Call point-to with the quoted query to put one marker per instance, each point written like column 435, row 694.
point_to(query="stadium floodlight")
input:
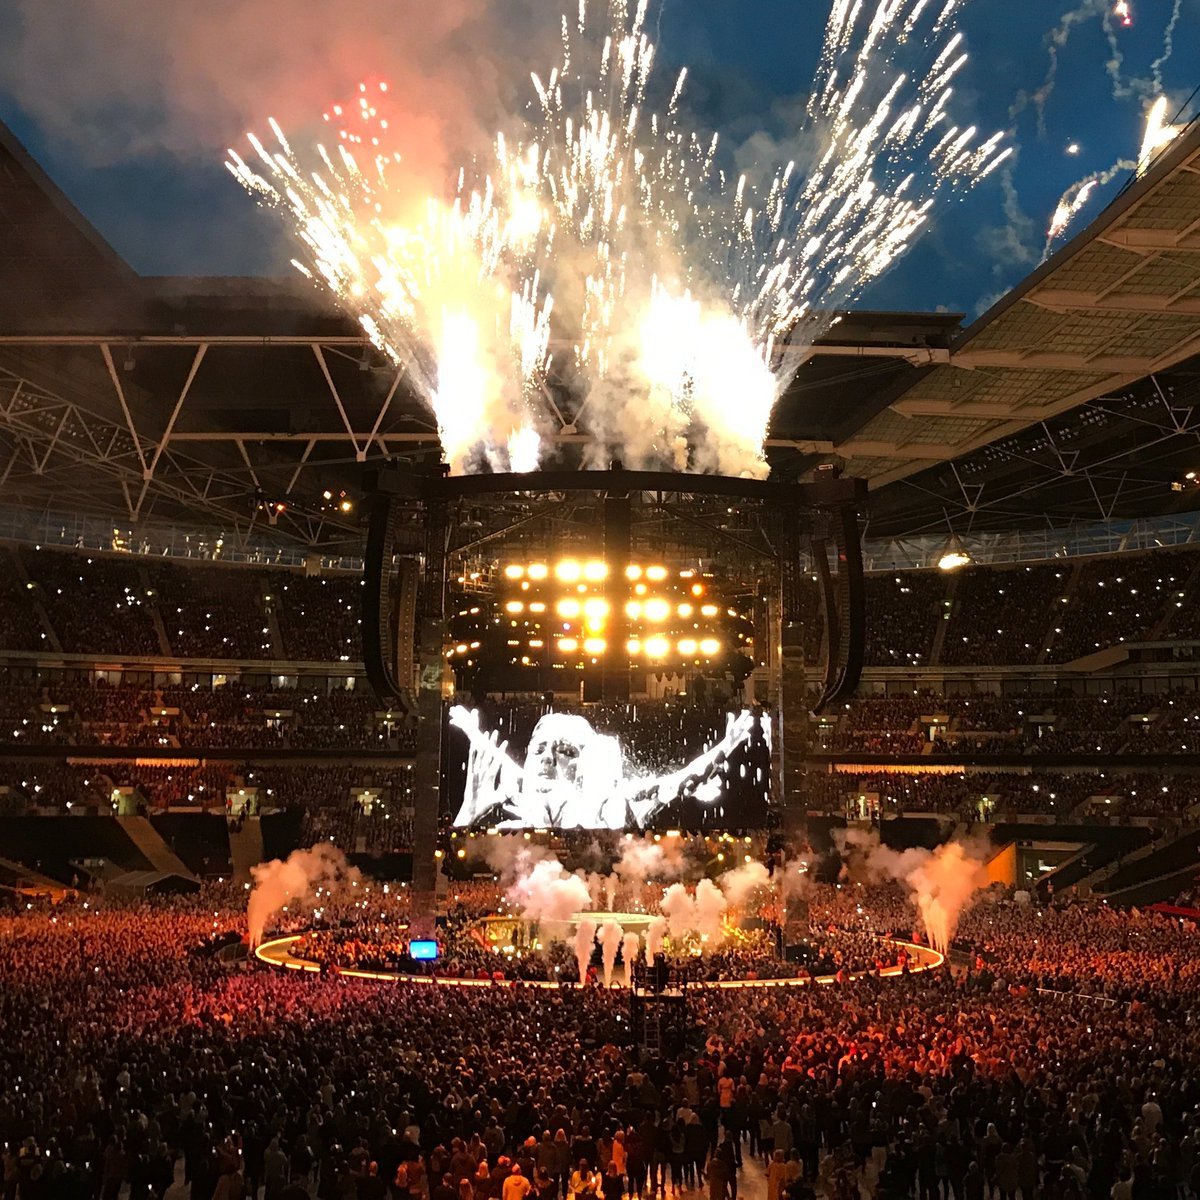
column 595, row 571
column 513, row 571
column 954, row 555
column 710, row 647
column 538, row 571
column 568, row 571
column 656, row 574
column 687, row 647
column 567, row 608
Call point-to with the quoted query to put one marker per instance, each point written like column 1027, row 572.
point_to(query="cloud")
column 120, row 79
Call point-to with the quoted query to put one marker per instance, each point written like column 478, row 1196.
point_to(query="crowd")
column 82, row 711
column 117, row 604
column 980, row 795
column 1123, row 723
column 1063, row 1063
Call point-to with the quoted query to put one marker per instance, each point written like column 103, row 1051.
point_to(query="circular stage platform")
column 278, row 953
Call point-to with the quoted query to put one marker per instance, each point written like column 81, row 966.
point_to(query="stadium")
column 381, row 817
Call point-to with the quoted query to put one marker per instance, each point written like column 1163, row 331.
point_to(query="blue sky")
column 172, row 209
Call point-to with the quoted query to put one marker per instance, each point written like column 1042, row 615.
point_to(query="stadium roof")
column 189, row 398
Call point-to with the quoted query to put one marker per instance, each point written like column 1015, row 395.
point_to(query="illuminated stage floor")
column 278, row 953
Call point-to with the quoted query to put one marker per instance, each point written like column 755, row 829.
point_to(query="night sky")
column 174, row 210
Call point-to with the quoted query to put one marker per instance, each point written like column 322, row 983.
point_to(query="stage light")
column 514, row 606
column 634, row 646
column 697, row 589
column 535, row 643
column 568, row 571
column 708, row 610
column 684, row 610
column 568, row 645
column 513, row 571
column 658, row 646
column 633, row 609
column 595, row 609
column 709, row 647
column 657, row 610
column 537, row 607
column 567, row 608
column 687, row 647
column 537, row 570
column 633, row 572
column 461, row 648
column 346, row 505
column 656, row 574
column 595, row 571
column 594, row 646
column 639, row 589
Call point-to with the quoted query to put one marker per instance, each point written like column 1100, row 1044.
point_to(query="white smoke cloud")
column 278, row 882
column 644, row 859
column 135, row 77
column 740, row 884
column 549, row 894
column 511, row 856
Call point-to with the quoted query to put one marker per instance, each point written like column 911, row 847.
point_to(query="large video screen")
column 608, row 767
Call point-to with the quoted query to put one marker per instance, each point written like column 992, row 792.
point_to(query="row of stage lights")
column 595, row 571
column 657, row 647
column 595, row 610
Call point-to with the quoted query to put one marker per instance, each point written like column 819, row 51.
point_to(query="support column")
column 431, row 624
column 618, row 541
column 793, row 731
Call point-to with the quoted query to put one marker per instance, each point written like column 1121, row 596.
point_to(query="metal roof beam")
column 977, row 410
column 1150, row 240
column 1064, row 300
column 1042, row 360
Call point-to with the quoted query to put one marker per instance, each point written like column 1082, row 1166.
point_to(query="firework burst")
column 688, row 295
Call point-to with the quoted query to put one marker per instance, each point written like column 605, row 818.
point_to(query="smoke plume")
column 610, row 943
column 277, row 883
column 629, row 952
column 585, row 939
column 701, row 913
column 654, row 938
column 940, row 882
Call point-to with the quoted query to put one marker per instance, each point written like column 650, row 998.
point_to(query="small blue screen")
column 423, row 949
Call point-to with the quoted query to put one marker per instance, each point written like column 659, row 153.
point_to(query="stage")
column 277, row 953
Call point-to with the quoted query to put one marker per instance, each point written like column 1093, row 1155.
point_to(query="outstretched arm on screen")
column 645, row 803
column 492, row 776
